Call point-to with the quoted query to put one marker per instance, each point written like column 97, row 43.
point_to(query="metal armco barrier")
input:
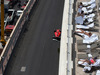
column 5, row 55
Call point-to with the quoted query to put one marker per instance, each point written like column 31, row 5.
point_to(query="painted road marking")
column 23, row 69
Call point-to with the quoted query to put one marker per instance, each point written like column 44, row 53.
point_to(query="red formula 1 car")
column 57, row 35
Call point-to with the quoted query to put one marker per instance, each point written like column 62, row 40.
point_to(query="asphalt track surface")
column 35, row 49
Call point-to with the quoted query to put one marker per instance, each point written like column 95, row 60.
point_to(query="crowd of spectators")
column 85, row 21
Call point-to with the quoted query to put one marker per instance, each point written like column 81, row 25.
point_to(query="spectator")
column 83, row 62
column 89, row 63
column 84, row 32
column 19, row 1
column 80, row 5
column 19, row 5
column 26, row 1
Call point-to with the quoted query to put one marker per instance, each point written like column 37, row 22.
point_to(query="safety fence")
column 6, row 53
